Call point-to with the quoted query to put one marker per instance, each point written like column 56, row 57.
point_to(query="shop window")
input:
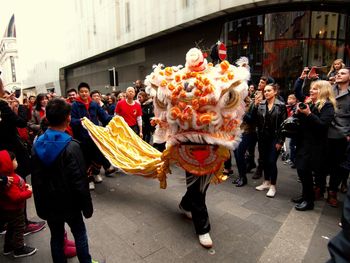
column 287, row 25
column 323, row 22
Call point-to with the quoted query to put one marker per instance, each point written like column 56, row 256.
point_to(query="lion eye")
column 233, row 98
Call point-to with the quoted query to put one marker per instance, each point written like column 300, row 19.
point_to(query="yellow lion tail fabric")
column 124, row 148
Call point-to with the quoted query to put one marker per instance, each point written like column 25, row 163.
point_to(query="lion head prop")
column 198, row 110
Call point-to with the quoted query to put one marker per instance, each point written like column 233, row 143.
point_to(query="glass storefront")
column 281, row 44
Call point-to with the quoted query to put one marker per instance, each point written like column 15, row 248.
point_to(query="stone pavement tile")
column 120, row 223
column 231, row 221
column 233, row 208
column 163, row 255
column 260, row 205
column 326, row 229
column 217, row 227
column 108, row 244
column 282, row 252
column 293, row 238
column 317, row 251
column 264, row 222
column 180, row 243
column 143, row 241
column 231, row 247
column 163, row 221
column 263, row 237
column 214, row 197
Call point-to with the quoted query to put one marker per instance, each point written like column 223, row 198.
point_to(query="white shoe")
column 98, row 178
column 205, row 240
column 264, row 186
column 188, row 214
column 91, row 186
column 272, row 191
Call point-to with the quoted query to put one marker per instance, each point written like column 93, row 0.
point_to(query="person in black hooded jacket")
column 269, row 114
column 60, row 185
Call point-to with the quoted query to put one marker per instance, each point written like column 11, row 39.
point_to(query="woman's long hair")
column 38, row 100
column 325, row 93
column 339, row 60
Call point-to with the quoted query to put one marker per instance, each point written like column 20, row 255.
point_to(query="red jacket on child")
column 12, row 197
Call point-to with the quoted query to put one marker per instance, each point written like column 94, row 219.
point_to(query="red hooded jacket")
column 12, row 197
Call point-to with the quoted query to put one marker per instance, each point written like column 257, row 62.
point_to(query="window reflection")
column 281, row 44
column 324, row 25
column 244, row 37
column 287, row 25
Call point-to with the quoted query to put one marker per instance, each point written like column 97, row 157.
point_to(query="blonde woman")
column 336, row 65
column 315, row 115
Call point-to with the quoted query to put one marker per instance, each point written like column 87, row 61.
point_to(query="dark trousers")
column 228, row 163
column 78, row 230
column 15, row 228
column 307, row 184
column 251, row 147
column 135, row 128
column 194, row 201
column 292, row 149
column 93, row 157
column 339, row 246
column 336, row 157
column 159, row 146
column 247, row 140
column 147, row 133
column 269, row 156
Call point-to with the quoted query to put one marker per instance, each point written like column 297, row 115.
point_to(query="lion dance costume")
column 198, row 110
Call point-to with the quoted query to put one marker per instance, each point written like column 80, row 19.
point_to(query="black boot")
column 242, row 182
column 298, row 199
column 250, row 165
column 258, row 173
column 305, row 205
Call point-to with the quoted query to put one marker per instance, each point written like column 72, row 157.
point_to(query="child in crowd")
column 290, row 142
column 12, row 202
column 61, row 192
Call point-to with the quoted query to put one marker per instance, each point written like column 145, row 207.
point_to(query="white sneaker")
column 188, row 214
column 272, row 191
column 91, row 186
column 98, row 178
column 205, row 240
column 264, row 186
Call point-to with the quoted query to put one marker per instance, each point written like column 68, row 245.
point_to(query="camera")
column 302, row 106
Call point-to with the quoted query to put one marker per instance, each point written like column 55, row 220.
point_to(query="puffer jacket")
column 12, row 197
column 340, row 126
column 93, row 112
column 60, row 184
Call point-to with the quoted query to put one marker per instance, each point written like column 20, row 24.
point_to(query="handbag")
column 290, row 126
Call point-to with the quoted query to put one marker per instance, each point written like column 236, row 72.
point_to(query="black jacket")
column 147, row 114
column 278, row 114
column 311, row 140
column 340, row 127
column 9, row 138
column 339, row 246
column 61, row 189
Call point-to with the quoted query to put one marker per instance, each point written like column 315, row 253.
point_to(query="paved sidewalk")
column 136, row 221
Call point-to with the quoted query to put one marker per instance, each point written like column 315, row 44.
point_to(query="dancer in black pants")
column 194, row 207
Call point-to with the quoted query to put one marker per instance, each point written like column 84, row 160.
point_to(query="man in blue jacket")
column 85, row 107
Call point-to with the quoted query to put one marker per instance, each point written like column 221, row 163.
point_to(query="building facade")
column 9, row 58
column 278, row 37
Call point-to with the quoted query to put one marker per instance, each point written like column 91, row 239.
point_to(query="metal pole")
column 113, row 78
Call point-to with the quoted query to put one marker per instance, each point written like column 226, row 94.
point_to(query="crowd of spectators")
column 319, row 148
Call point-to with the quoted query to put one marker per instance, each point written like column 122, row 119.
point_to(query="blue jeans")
column 292, row 149
column 78, row 230
column 247, row 140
